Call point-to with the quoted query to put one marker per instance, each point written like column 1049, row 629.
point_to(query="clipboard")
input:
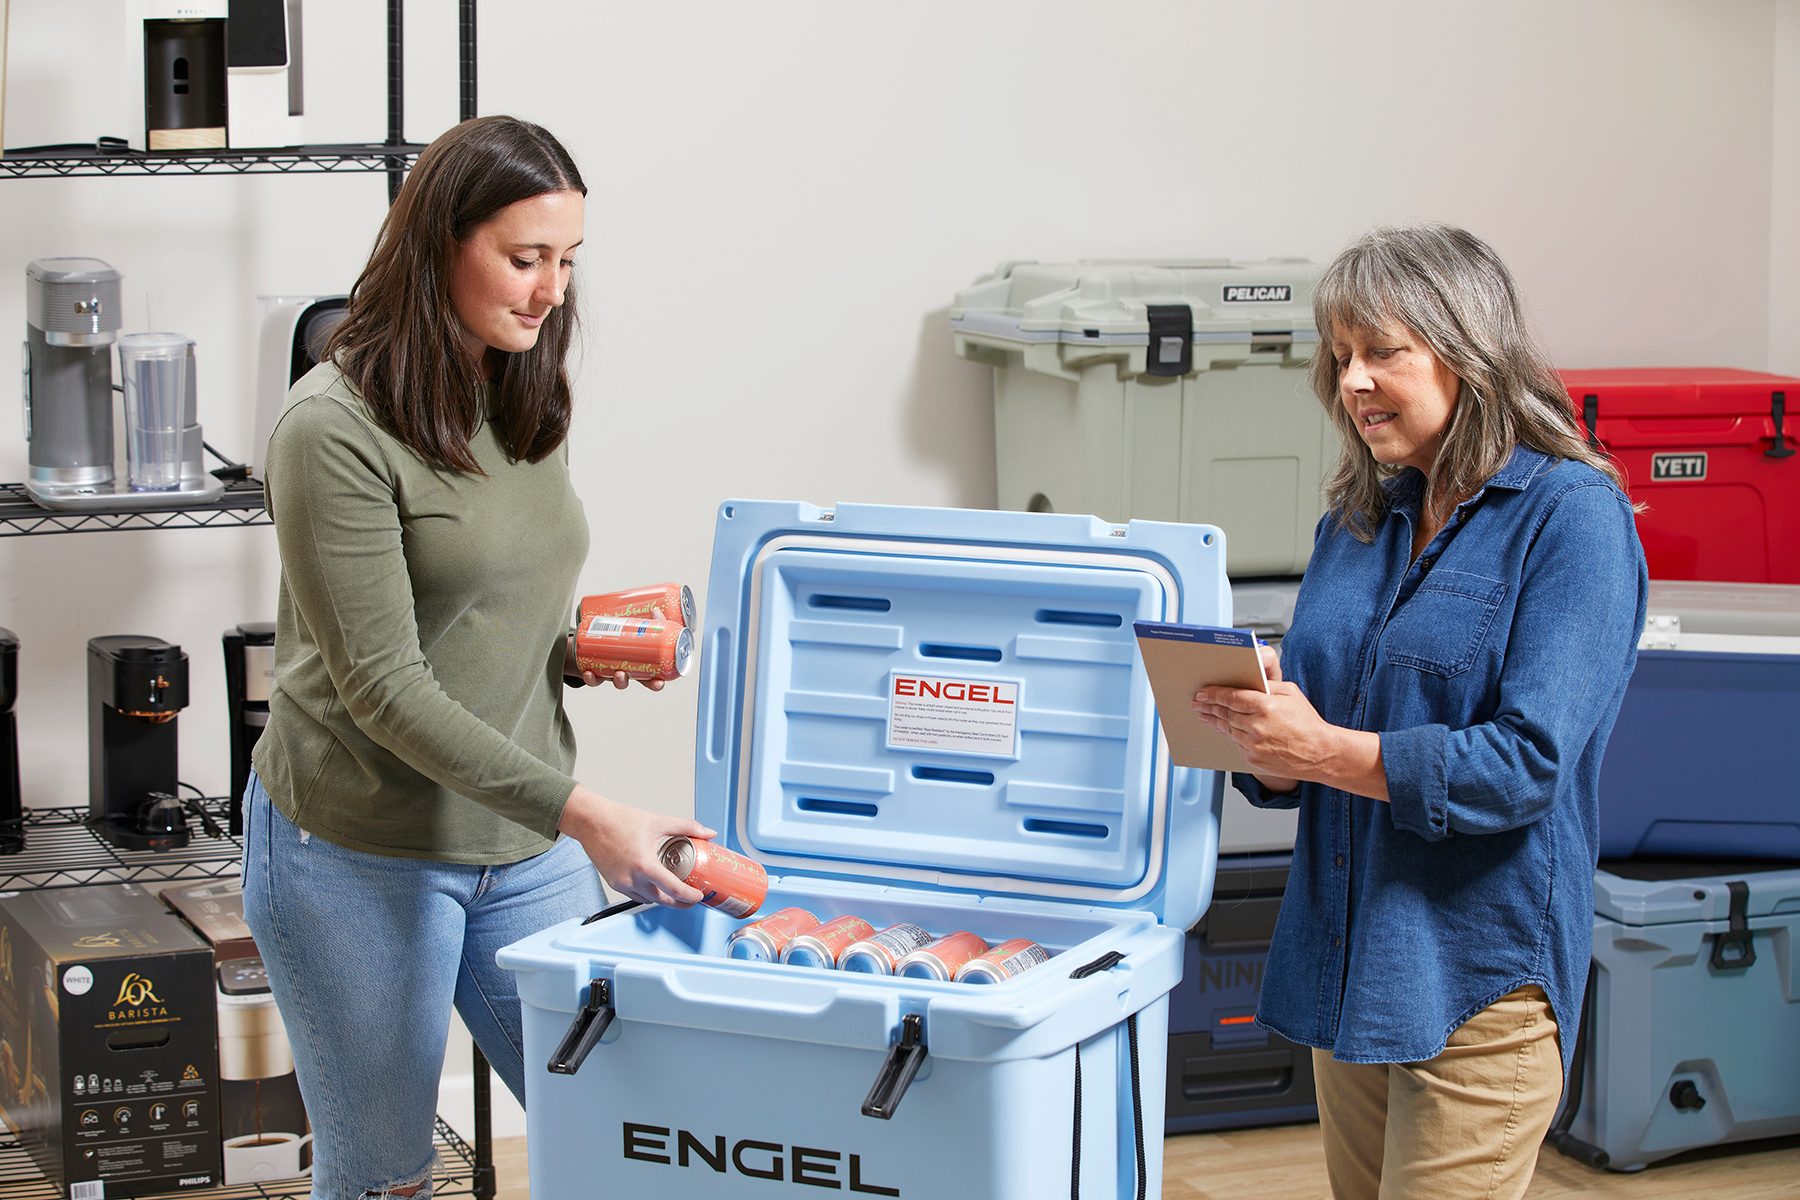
column 1182, row 659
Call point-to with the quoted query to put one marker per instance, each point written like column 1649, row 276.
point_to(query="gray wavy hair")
column 1450, row 289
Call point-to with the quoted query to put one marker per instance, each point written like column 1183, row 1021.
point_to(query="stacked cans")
column 645, row 632
column 797, row 937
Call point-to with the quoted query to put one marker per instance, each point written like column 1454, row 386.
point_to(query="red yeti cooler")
column 1712, row 452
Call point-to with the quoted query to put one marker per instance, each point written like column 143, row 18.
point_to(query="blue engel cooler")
column 1052, row 814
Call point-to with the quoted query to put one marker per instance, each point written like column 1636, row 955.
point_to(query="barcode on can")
column 88, row 1191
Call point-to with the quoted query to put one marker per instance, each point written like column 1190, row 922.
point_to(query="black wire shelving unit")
column 21, row 516
column 61, row 849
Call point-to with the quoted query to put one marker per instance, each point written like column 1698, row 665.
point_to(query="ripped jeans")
column 366, row 955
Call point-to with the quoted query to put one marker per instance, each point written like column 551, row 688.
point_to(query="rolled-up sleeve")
column 1573, row 638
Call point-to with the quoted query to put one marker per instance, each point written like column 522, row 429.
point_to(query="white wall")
column 1784, row 201
column 786, row 196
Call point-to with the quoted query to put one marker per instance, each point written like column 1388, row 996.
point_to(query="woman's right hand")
column 624, row 843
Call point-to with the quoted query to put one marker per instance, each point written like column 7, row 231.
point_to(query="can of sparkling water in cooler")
column 821, row 947
column 882, row 952
column 764, row 940
column 941, row 958
column 642, row 649
column 1012, row 957
column 728, row 881
column 673, row 600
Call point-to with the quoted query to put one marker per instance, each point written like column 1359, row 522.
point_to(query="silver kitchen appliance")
column 72, row 321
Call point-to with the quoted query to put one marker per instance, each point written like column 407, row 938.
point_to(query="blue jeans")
column 366, row 955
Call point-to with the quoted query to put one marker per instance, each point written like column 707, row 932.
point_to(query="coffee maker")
column 12, row 823
column 249, row 678
column 136, row 688
column 72, row 322
column 72, row 312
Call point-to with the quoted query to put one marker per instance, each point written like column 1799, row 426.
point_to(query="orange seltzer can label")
column 659, row 601
column 941, row 958
column 641, row 649
column 728, row 881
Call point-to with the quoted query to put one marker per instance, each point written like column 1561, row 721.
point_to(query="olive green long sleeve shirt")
column 417, row 707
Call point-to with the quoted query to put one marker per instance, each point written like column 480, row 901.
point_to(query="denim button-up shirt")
column 1493, row 667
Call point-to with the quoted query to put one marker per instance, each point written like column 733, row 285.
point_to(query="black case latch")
column 586, row 1031
column 1171, row 348
column 1732, row 950
column 1778, row 414
column 903, row 1061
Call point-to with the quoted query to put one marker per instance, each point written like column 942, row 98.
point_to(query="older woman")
column 1458, row 654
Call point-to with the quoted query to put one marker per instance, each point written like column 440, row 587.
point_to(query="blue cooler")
column 1691, row 1032
column 838, row 745
column 1700, row 762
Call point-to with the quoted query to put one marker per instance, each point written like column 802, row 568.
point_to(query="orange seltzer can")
column 731, row 883
column 941, row 959
column 672, row 600
column 1010, row 958
column 764, row 940
column 822, row 947
column 880, row 953
column 642, row 649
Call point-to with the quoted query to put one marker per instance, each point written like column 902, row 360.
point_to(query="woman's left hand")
column 1281, row 734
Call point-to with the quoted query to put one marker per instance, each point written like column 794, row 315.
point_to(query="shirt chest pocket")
column 1441, row 628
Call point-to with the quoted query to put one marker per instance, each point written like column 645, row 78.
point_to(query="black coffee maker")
column 12, row 824
column 136, row 687
column 249, row 678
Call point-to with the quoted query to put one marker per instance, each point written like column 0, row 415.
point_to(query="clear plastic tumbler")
column 154, row 368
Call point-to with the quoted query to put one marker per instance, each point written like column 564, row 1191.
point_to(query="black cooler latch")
column 1171, row 348
column 1590, row 416
column 1778, row 413
column 1732, row 950
column 586, row 1031
column 904, row 1059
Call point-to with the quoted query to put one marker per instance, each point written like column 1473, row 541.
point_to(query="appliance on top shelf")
column 72, row 322
column 137, row 686
column 294, row 332
column 262, row 74
column 181, row 66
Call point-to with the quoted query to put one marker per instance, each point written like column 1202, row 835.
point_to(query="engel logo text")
column 755, row 1160
column 962, row 690
column 1678, row 466
column 1258, row 293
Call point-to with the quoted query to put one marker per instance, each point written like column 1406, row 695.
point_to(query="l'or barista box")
column 107, row 1031
column 262, row 1120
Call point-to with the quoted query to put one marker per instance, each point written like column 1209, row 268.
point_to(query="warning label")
column 969, row 716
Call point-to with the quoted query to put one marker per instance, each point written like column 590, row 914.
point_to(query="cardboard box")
column 263, row 1128
column 108, row 1026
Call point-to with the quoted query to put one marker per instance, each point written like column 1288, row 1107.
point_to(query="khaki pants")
column 1462, row 1126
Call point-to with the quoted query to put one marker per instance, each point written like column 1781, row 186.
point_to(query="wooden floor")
column 1286, row 1163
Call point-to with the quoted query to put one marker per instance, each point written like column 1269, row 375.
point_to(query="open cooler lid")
column 951, row 699
column 1264, row 303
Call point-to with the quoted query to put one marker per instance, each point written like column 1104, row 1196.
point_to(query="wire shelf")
column 293, row 160
column 21, row 516
column 63, row 850
column 456, row 1174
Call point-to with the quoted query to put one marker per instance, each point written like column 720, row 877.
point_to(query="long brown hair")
column 401, row 343
column 1450, row 289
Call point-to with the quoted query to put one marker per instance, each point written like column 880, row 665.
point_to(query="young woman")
column 1460, row 648
column 402, row 822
